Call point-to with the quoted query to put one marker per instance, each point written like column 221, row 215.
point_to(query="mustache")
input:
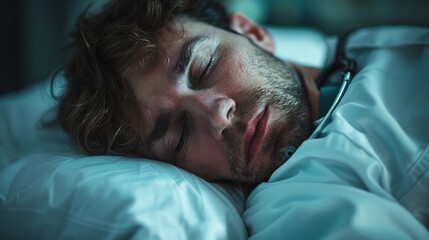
column 248, row 102
column 282, row 94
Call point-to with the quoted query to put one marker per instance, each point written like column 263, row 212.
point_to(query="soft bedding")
column 48, row 190
column 367, row 176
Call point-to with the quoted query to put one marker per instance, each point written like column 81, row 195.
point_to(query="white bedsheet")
column 367, row 177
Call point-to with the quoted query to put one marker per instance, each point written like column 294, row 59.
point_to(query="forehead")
column 160, row 65
column 170, row 42
column 177, row 33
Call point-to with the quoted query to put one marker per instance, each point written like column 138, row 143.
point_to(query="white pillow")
column 54, row 196
column 305, row 46
column 50, row 191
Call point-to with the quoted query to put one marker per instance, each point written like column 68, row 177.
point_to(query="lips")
column 255, row 133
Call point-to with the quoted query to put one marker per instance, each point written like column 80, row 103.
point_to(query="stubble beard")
column 281, row 88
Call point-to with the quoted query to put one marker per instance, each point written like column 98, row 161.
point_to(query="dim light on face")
column 221, row 106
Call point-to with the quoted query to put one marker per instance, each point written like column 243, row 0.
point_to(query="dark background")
column 33, row 32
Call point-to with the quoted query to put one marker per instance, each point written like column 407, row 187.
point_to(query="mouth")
column 255, row 133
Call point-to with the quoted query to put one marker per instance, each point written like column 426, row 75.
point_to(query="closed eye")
column 207, row 69
column 183, row 136
column 197, row 76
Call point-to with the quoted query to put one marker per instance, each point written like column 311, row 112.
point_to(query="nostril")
column 229, row 114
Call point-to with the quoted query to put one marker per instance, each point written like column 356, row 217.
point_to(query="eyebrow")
column 186, row 55
column 161, row 126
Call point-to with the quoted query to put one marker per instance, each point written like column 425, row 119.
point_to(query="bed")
column 48, row 190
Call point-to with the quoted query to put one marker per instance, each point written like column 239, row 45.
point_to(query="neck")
column 309, row 75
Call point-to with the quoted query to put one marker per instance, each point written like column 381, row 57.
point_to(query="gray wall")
column 33, row 33
column 333, row 16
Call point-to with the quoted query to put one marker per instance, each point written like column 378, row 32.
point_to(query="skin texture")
column 234, row 107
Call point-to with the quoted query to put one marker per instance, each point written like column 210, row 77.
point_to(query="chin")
column 267, row 166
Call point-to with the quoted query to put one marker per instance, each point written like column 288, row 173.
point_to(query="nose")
column 216, row 111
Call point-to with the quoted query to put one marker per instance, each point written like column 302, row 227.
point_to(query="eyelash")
column 184, row 135
column 209, row 66
column 205, row 72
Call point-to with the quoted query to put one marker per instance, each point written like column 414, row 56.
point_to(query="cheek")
column 207, row 159
column 236, row 75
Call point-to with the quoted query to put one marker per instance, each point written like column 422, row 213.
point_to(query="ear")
column 256, row 33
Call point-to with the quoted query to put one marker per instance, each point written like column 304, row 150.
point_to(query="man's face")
column 219, row 106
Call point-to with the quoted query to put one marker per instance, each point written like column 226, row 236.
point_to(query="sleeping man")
column 182, row 82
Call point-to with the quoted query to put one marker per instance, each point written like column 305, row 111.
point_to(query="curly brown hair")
column 98, row 108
